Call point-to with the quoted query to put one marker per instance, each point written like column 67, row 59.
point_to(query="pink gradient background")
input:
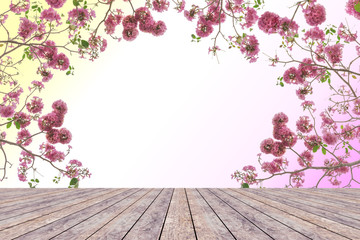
column 160, row 112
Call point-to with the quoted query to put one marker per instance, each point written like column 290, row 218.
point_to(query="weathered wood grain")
column 207, row 224
column 244, row 223
column 149, row 226
column 336, row 206
column 118, row 227
column 323, row 222
column 292, row 221
column 259, row 220
column 178, row 224
column 57, row 227
column 20, row 225
column 308, row 206
column 167, row 214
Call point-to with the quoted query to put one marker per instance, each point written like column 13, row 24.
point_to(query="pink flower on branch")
column 56, row 3
column 269, row 22
column 26, row 28
column 315, row 14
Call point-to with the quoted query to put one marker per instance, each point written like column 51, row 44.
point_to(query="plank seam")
column 142, row 214
column 162, row 227
column 192, row 220
column 294, row 215
column 217, row 214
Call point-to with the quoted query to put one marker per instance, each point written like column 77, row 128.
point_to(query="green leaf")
column 30, row 184
column 84, row 43
column 346, row 150
column 37, row 180
column 8, row 125
column 323, row 151
column 193, row 36
column 17, row 125
column 357, row 7
column 315, row 148
column 76, row 3
column 350, row 147
column 245, row 185
column 281, row 84
column 74, row 181
column 68, row 73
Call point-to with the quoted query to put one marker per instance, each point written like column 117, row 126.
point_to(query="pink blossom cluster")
column 50, row 15
column 314, row 34
column 298, row 179
column 26, row 159
column 350, row 8
column 248, row 175
column 248, row 45
column 56, row 3
column 251, row 17
column 80, row 17
column 306, row 159
column 26, row 28
column 334, row 53
column 275, row 166
column 336, row 172
column 19, row 6
column 160, row 5
column 303, row 124
column 73, row 170
column 315, row 14
column 345, row 33
column 192, row 13
column 113, row 20
column 96, row 45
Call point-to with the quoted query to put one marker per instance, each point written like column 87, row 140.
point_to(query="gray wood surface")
column 179, row 214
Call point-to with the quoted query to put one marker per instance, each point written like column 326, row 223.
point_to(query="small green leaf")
column 245, row 185
column 37, row 180
column 74, row 181
column 357, row 7
column 68, row 73
column 76, row 3
column 323, row 151
column 315, row 148
column 346, row 150
column 342, row 126
column 193, row 36
column 84, row 43
column 30, row 184
column 17, row 124
column 8, row 125
column 350, row 147
column 281, row 84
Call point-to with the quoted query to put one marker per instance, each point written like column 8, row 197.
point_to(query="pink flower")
column 180, row 6
column 204, row 29
column 75, row 162
column 129, row 22
column 65, row 136
column 351, row 10
column 59, row 119
column 159, row 28
column 315, row 34
column 40, row 33
column 348, row 132
column 60, row 107
column 250, row 17
column 160, row 5
column 312, row 141
column 308, row 105
column 278, row 149
column 112, row 21
column 326, row 120
column 147, row 25
column 287, row 27
column 56, row 3
column 79, row 16
column 19, row 6
column 52, row 154
column 46, row 122
column 302, row 92
column 23, row 119
column 22, row 135
column 50, row 15
column 266, row 145
column 345, row 33
column 7, row 111
column 49, row 51
column 250, row 47
column 305, row 159
column 142, row 14
column 329, row 138
column 315, row 15
column 297, row 178
column 35, row 106
column 293, row 76
column 60, row 62
column 275, row 166
column 307, row 69
column 26, row 28
column 356, row 109
column 191, row 14
column 280, row 119
column 130, row 34
column 269, row 22
column 53, row 136
column 334, row 53
column 303, row 124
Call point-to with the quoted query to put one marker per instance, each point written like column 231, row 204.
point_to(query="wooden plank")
column 308, row 206
column 325, row 223
column 28, row 195
column 178, row 224
column 335, row 197
column 308, row 229
column 244, row 222
column 86, row 228
column 336, row 206
column 346, row 192
column 11, row 193
column 57, row 227
column 207, row 224
column 238, row 211
column 150, row 225
column 44, row 202
column 121, row 224
column 47, row 215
